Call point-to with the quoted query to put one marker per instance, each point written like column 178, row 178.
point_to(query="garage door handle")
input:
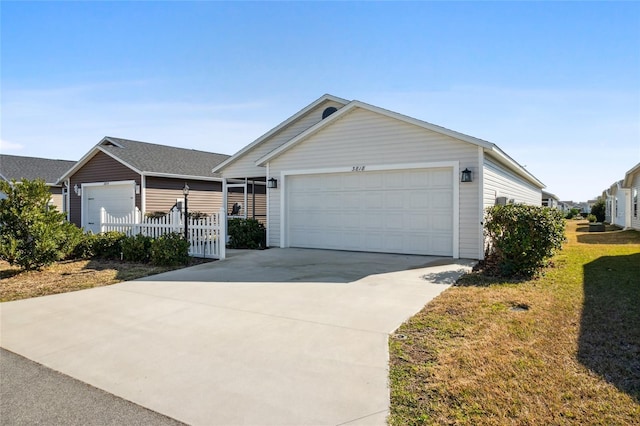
column 91, row 223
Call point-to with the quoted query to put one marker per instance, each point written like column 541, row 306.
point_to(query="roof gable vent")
column 328, row 111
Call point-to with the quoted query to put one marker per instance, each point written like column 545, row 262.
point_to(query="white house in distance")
column 347, row 175
column 621, row 200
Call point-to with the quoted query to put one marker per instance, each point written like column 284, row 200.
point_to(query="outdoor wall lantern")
column 272, row 183
column 466, row 176
column 77, row 189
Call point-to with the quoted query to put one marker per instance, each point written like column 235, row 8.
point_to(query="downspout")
column 481, row 202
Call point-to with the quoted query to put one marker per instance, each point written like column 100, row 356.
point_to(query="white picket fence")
column 207, row 236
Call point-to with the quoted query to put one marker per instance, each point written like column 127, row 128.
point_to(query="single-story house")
column 347, row 175
column 14, row 167
column 631, row 183
column 617, row 202
column 120, row 175
column 550, row 200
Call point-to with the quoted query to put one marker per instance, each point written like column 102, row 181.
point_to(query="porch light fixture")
column 77, row 189
column 466, row 176
column 272, row 183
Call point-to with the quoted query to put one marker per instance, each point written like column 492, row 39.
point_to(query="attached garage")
column 389, row 211
column 117, row 198
column 346, row 175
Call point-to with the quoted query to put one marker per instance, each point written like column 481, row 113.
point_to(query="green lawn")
column 561, row 349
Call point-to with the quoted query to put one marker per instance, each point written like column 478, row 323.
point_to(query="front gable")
column 361, row 137
column 243, row 163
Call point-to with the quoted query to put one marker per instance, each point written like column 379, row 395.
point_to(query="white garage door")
column 117, row 200
column 395, row 211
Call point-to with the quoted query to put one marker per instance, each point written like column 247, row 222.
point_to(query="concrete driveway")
column 274, row 337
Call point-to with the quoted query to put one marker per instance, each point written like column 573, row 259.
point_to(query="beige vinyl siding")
column 56, row 199
column 162, row 193
column 365, row 138
column 500, row 182
column 100, row 168
column 245, row 166
column 260, row 204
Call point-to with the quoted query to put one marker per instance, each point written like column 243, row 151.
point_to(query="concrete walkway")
column 275, row 337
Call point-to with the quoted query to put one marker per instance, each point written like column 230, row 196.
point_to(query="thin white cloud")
column 7, row 147
column 67, row 122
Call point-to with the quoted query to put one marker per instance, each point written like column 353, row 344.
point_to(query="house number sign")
column 357, row 169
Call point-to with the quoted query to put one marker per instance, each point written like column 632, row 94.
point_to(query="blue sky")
column 555, row 85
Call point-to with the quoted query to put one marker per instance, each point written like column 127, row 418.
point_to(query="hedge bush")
column 521, row 239
column 170, row 250
column 108, row 245
column 33, row 233
column 246, row 234
column 137, row 248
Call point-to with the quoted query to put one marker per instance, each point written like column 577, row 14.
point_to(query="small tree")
column 32, row 232
column 599, row 209
column 521, row 238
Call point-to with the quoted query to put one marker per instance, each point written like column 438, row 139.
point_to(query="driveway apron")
column 274, row 337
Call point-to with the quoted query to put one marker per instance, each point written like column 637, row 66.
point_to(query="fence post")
column 102, row 219
column 222, row 233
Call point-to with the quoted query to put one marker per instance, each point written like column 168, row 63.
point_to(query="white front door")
column 392, row 211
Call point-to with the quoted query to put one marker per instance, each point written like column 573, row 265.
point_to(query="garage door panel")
column 116, row 199
column 400, row 211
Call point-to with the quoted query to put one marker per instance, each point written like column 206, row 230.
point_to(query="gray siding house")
column 347, row 175
column 31, row 168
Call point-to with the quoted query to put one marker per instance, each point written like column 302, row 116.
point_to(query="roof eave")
column 515, row 166
column 628, row 177
column 177, row 176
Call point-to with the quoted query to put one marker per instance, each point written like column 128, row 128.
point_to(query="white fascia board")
column 502, row 157
column 628, row 177
column 80, row 163
column 357, row 104
column 279, row 127
column 89, row 155
column 174, row 176
column 302, row 136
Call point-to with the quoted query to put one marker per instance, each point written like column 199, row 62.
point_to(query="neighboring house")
column 617, row 205
column 32, row 168
column 347, row 175
column 120, row 175
column 550, row 200
column 632, row 184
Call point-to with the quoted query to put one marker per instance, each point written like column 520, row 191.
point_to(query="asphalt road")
column 31, row 394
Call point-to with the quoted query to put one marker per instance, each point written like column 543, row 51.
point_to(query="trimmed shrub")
column 574, row 212
column 33, row 233
column 521, row 239
column 246, row 234
column 137, row 248
column 170, row 250
column 108, row 245
column 591, row 218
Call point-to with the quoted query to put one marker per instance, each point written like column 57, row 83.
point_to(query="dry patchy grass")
column 68, row 276
column 561, row 349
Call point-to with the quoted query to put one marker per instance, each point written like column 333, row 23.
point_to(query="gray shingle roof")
column 17, row 167
column 153, row 158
